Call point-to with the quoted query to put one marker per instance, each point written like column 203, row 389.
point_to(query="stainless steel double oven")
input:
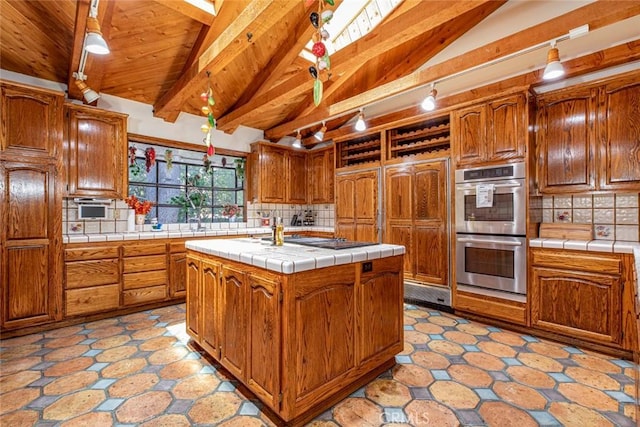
column 490, row 215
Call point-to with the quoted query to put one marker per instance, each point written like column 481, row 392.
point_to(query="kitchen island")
column 299, row 326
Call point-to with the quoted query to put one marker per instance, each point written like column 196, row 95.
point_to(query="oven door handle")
column 496, row 242
column 473, row 187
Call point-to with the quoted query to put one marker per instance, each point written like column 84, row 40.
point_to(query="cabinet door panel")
column 263, row 367
column 345, row 198
column 97, row 145
column 178, row 274
column 402, row 234
column 272, row 172
column 399, row 193
column 382, row 315
column 584, row 305
column 506, row 127
column 566, row 141
column 27, row 295
column 209, row 306
column 31, row 121
column 234, row 322
column 469, row 130
column 431, row 258
column 324, row 319
column 620, row 133
column 193, row 297
column 31, row 254
column 297, row 178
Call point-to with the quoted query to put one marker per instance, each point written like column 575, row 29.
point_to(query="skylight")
column 351, row 21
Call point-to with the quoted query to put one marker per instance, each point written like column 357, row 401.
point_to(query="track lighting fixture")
column 360, row 124
column 298, row 142
column 94, row 42
column 554, row 68
column 89, row 94
column 320, row 134
column 429, row 103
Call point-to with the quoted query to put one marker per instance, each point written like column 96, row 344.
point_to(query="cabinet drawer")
column 82, row 254
column 144, row 263
column 142, row 280
column 91, row 273
column 583, row 261
column 177, row 247
column 144, row 249
column 91, row 300
column 136, row 296
column 511, row 311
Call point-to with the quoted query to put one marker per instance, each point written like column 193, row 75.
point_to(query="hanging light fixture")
column 298, row 142
column 360, row 124
column 89, row 94
column 429, row 103
column 94, row 42
column 554, row 68
column 320, row 134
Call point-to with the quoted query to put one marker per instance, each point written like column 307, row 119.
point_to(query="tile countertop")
column 586, row 245
column 174, row 234
column 289, row 258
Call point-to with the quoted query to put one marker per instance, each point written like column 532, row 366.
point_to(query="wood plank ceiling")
column 162, row 50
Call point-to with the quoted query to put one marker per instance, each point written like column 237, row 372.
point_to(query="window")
column 183, row 189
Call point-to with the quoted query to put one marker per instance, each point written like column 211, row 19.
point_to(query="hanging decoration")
column 319, row 49
column 208, row 127
column 150, row 158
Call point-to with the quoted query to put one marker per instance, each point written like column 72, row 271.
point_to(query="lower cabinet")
column 144, row 273
column 580, row 295
column 92, row 280
column 297, row 340
column 177, row 270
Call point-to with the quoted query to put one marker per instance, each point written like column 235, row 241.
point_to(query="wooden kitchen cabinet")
column 588, row 137
column 30, row 244
column 92, row 280
column 144, row 273
column 321, row 176
column 203, row 295
column 577, row 294
column 277, row 174
column 566, row 140
column 31, row 125
column 177, row 270
column 493, row 131
column 416, row 217
column 96, row 145
column 357, row 205
column 619, row 117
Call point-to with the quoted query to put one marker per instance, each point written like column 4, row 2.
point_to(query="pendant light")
column 554, row 68
column 320, row 134
column 429, row 103
column 298, row 142
column 94, row 42
column 360, row 124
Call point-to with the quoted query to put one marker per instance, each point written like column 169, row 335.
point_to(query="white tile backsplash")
column 627, row 200
column 628, row 233
column 562, row 202
column 582, row 202
column 603, row 201
column 627, row 216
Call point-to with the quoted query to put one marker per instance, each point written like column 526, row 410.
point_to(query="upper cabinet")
column 321, row 170
column 31, row 124
column 491, row 131
column 619, row 116
column 588, row 138
column 96, row 144
column 277, row 174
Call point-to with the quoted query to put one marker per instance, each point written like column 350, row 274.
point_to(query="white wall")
column 142, row 122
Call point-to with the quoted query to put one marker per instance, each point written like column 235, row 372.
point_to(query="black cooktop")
column 323, row 242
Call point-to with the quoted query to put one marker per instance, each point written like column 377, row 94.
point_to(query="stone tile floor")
column 138, row 370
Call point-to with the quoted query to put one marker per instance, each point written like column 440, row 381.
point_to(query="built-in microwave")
column 92, row 208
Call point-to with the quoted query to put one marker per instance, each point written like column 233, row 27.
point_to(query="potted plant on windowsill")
column 140, row 208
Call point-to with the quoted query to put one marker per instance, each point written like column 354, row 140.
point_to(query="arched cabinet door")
column 30, row 245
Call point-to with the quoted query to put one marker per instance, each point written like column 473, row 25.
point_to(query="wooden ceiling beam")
column 416, row 19
column 611, row 57
column 282, row 59
column 596, row 15
column 258, row 18
column 187, row 9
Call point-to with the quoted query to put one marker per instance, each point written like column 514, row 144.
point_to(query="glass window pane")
column 224, row 178
column 175, row 175
column 171, row 196
column 137, row 171
column 224, row 197
column 143, row 192
column 197, row 176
